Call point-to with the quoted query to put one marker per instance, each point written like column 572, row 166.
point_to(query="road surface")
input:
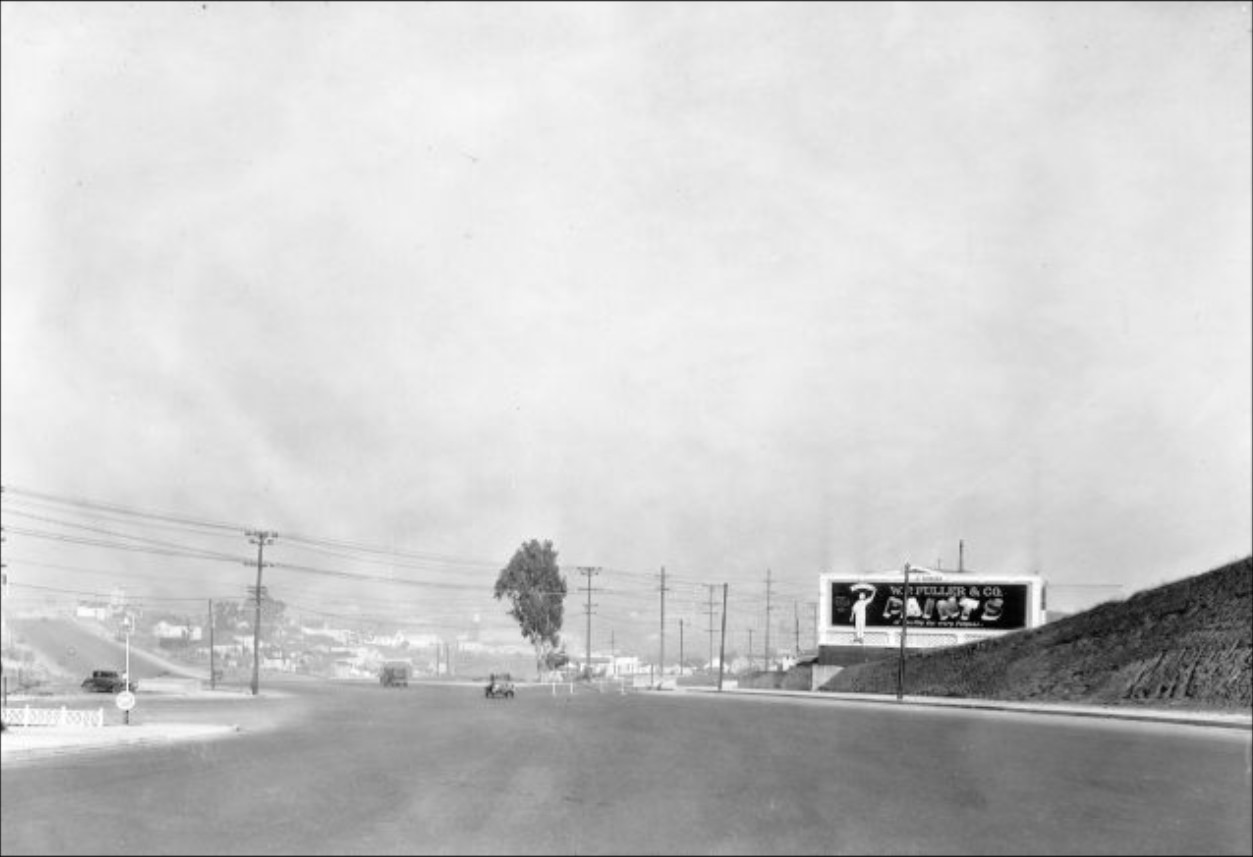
column 356, row 768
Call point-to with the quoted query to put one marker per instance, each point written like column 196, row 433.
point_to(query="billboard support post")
column 900, row 668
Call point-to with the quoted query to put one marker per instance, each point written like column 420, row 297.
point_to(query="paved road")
column 439, row 769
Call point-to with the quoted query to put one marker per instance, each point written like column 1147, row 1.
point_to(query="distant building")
column 339, row 635
column 93, row 610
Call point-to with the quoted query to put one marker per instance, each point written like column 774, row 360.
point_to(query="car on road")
column 394, row 675
column 107, row 681
column 500, row 684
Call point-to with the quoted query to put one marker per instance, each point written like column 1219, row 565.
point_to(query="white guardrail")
column 27, row 716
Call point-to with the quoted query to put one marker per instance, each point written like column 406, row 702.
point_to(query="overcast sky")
column 719, row 287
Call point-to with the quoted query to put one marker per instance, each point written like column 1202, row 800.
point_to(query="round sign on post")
column 125, row 700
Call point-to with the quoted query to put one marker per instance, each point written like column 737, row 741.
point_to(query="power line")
column 114, row 507
column 120, row 535
column 95, row 593
column 235, row 528
column 61, row 537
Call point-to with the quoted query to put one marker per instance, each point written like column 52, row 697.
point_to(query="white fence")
column 27, row 716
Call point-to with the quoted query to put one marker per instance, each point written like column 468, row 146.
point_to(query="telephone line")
column 113, row 533
column 113, row 507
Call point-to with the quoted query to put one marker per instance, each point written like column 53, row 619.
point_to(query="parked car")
column 107, row 681
column 500, row 684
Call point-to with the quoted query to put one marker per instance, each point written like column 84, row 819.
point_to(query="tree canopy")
column 536, row 590
column 234, row 616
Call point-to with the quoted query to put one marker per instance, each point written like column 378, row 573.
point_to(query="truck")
column 394, row 675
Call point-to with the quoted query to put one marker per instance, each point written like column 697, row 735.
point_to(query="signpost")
column 900, row 667
column 125, row 701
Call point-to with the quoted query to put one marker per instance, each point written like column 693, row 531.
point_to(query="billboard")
column 983, row 605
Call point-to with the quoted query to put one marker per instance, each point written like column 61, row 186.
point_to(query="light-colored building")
column 100, row 612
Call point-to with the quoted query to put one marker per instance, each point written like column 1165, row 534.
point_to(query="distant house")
column 339, row 635
column 394, row 641
column 164, row 630
column 96, row 611
column 624, row 665
column 170, row 635
column 419, row 640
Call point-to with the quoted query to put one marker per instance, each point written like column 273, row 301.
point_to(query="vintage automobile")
column 394, row 675
column 107, row 681
column 500, row 684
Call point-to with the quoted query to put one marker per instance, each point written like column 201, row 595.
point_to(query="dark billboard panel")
column 970, row 605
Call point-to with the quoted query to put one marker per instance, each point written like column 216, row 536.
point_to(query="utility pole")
column 796, row 616
column 4, row 603
column 750, row 649
column 129, row 625
column 613, row 653
column 961, row 555
column 260, row 538
column 900, row 670
column 813, row 608
column 213, row 664
column 712, row 629
column 661, row 658
column 722, row 650
column 4, row 622
column 589, row 571
column 680, row 647
column 766, row 647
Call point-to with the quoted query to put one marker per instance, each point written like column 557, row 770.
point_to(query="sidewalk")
column 22, row 744
column 19, row 744
column 1155, row 715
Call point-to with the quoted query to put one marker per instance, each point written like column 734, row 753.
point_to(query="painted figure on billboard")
column 865, row 594
column 859, row 615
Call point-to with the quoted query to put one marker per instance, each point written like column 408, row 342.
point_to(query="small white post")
column 62, row 717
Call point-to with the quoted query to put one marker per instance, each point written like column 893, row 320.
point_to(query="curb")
column 1221, row 721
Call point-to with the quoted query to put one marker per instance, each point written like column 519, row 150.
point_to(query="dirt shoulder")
column 156, row 721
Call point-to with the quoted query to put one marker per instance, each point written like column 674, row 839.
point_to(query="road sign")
column 125, row 700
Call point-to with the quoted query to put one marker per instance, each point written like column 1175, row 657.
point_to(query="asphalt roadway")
column 438, row 769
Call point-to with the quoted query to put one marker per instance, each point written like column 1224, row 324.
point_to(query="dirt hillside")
column 1188, row 644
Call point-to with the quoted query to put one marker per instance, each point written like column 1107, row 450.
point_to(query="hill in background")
column 1186, row 644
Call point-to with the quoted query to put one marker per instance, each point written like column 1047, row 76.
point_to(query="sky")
column 729, row 288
